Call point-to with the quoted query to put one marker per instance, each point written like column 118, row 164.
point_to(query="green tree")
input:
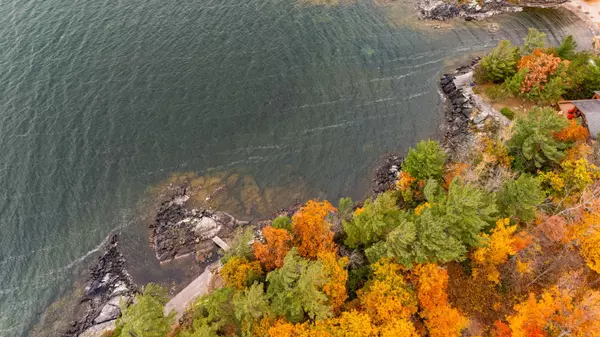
column 374, row 221
column 425, row 161
column 442, row 231
column 533, row 144
column 513, row 84
column 215, row 311
column 145, row 318
column 534, row 39
column 500, row 63
column 583, row 76
column 250, row 306
column 566, row 50
column 345, row 206
column 520, row 198
column 240, row 245
column 282, row 222
column 295, row 290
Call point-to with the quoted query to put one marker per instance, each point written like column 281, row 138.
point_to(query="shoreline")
column 588, row 12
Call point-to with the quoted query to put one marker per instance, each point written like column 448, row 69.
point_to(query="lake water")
column 100, row 100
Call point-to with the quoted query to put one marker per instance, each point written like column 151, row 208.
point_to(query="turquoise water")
column 99, row 100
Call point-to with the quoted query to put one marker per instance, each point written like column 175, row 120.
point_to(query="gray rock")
column 108, row 313
column 207, row 228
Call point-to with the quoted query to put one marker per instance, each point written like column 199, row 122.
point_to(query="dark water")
column 99, row 100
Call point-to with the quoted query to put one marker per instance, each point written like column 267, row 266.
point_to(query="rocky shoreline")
column 465, row 112
column 448, row 9
column 108, row 287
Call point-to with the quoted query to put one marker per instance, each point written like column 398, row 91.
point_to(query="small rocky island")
column 476, row 10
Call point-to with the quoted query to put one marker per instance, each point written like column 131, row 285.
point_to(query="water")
column 99, row 100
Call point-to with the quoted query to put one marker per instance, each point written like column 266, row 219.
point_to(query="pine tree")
column 500, row 63
column 250, row 306
column 534, row 40
column 374, row 221
column 533, row 144
column 441, row 232
column 566, row 50
column 145, row 317
column 425, row 161
column 520, row 198
column 345, row 208
column 295, row 290
column 240, row 245
column 282, row 222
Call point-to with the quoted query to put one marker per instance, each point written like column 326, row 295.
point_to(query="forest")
column 505, row 243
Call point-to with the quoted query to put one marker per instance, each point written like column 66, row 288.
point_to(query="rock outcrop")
column 109, row 286
column 444, row 9
column 386, row 173
column 179, row 231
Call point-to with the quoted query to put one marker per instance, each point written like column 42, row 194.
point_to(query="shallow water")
column 100, row 100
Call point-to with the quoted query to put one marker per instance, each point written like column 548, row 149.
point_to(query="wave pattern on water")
column 102, row 99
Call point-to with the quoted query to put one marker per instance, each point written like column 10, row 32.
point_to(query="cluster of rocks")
column 386, row 173
column 179, row 231
column 109, row 286
column 444, row 9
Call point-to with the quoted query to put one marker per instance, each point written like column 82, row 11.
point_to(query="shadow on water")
column 103, row 100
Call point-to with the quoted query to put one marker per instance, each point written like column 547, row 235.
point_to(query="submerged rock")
column 179, row 231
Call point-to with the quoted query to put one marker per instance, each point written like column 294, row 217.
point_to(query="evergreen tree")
column 295, row 290
column 566, row 50
column 520, row 198
column 442, row 231
column 215, row 310
column 282, row 222
column 534, row 40
column 241, row 245
column 373, row 221
column 425, row 161
column 145, row 318
column 250, row 305
column 533, row 144
column 345, row 208
column 500, row 63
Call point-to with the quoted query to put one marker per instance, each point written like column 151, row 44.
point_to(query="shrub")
column 508, row 113
column 425, row 161
column 500, row 63
column 145, row 317
column 496, row 93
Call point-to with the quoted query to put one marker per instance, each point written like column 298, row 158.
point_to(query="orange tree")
column 278, row 243
column 313, row 234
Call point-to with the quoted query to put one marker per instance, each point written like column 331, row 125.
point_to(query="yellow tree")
column 500, row 245
column 589, row 238
column 312, row 232
column 238, row 272
column 335, row 271
column 387, row 296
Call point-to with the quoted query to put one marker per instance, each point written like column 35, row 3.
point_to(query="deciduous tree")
column 278, row 243
column 238, row 272
column 312, row 233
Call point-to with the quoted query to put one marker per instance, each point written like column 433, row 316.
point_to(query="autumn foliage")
column 238, row 271
column 441, row 319
column 278, row 243
column 312, row 233
column 499, row 246
column 540, row 65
